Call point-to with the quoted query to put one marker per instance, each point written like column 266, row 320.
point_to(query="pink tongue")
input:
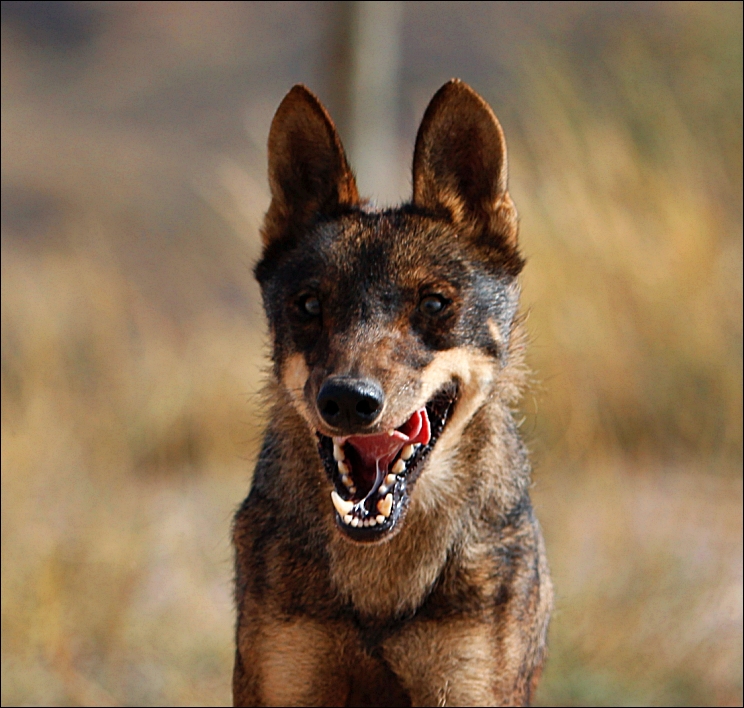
column 378, row 451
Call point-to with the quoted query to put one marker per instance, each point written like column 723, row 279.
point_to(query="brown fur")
column 451, row 606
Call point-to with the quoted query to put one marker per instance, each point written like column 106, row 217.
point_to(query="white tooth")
column 382, row 490
column 343, row 468
column 391, row 433
column 355, row 522
column 407, row 452
column 390, row 480
column 352, row 489
column 342, row 507
column 366, row 522
column 347, row 480
column 384, row 506
column 338, row 452
column 373, row 521
column 399, row 466
column 348, row 518
column 380, row 519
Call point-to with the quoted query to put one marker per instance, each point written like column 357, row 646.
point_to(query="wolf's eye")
column 310, row 305
column 432, row 304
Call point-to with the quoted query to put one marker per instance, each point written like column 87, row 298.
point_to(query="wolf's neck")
column 465, row 483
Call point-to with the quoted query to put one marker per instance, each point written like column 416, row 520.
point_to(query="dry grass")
column 647, row 563
column 121, row 467
column 132, row 343
column 630, row 190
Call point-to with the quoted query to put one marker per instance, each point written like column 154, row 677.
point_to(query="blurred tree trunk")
column 364, row 69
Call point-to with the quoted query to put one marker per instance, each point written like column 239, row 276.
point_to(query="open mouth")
column 373, row 475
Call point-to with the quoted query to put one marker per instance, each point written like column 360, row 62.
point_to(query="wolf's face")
column 389, row 328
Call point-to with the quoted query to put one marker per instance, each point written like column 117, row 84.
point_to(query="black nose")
column 350, row 403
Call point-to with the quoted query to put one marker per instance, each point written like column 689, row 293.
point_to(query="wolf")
column 387, row 553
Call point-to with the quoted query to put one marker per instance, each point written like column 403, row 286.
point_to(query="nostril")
column 367, row 407
column 330, row 408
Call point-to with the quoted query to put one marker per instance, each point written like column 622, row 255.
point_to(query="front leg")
column 446, row 663
column 291, row 662
column 488, row 658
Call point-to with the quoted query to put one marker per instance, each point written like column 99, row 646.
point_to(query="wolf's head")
column 390, row 329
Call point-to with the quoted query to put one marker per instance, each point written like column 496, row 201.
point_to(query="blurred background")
column 134, row 346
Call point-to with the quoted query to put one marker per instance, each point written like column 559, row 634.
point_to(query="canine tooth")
column 390, row 480
column 342, row 507
column 384, row 506
column 354, row 522
column 338, row 452
column 348, row 518
column 399, row 466
column 407, row 452
column 343, row 468
column 380, row 519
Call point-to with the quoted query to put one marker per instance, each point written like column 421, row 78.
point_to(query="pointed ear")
column 308, row 171
column 459, row 167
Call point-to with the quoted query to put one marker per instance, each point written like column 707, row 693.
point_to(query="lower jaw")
column 377, row 527
column 379, row 533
